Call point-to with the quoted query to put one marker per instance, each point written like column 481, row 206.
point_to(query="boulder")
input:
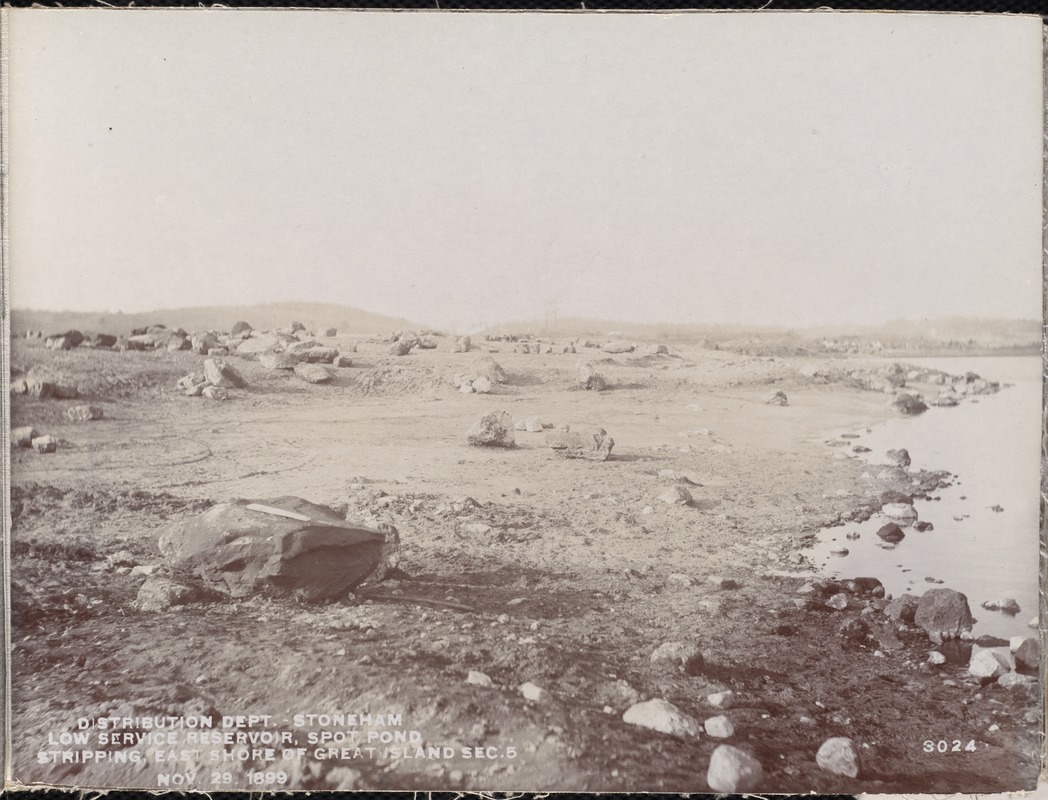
column 662, row 716
column 202, row 344
column 401, row 347
column 943, row 613
column 212, row 392
column 343, row 361
column 589, row 378
column 891, row 533
column 331, row 332
column 313, row 554
column 312, row 373
column 427, row 343
column 177, row 343
column 45, row 444
column 487, row 367
column 683, row 657
column 778, row 398
column 84, row 413
column 1012, row 679
column 903, row 608
column 295, row 327
column 617, row 347
column 64, row 341
column 579, row 440
column 481, row 385
column 19, row 386
column 254, row 345
column 988, row 665
column 474, row 678
column 725, row 699
column 159, row 593
column 319, row 355
column 23, row 436
column 494, row 429
column 301, row 347
column 676, row 496
column 240, row 328
column 733, row 770
column 719, row 727
column 899, row 512
column 99, row 340
column 219, row 373
column 534, row 693
column 892, row 497
column 1027, row 655
column 657, row 350
column 840, row 756
column 909, row 404
column 899, row 458
column 534, row 425
column 278, row 360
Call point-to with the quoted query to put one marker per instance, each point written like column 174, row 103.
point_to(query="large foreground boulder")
column 590, row 442
column 494, row 429
column 313, row 554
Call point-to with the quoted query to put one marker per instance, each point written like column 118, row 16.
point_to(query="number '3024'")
column 949, row 746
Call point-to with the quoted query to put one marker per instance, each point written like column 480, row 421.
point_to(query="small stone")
column 534, row 425
column 733, row 770
column 84, row 413
column 343, row 361
column 935, row 658
column 891, row 532
column 581, row 441
column 778, row 398
column 536, row 694
column 685, row 657
column 481, row 385
column 899, row 458
column 902, row 512
column 680, row 579
column 159, row 594
column 839, row 756
column 725, row 699
column 676, row 496
column 719, row 727
column 479, row 679
column 1012, row 679
column 45, row 444
column 661, row 715
column 839, row 601
column 903, row 608
column 23, row 436
column 143, row 569
column 215, row 393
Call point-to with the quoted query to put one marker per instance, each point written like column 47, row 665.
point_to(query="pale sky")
column 788, row 169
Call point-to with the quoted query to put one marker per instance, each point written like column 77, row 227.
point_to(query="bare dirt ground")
column 569, row 582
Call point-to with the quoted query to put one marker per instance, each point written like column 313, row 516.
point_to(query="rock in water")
column 891, row 533
column 719, row 727
column 278, row 360
column 900, row 512
column 219, row 373
column 839, row 756
column 910, row 404
column 312, row 373
column 1027, row 655
column 159, row 594
column 778, row 398
column 23, row 437
column 988, row 665
column 899, row 458
column 242, row 552
column 662, row 716
column 494, row 429
column 45, row 444
column 84, row 413
column 590, row 442
column 733, row 770
column 944, row 613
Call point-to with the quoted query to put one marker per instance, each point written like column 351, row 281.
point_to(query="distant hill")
column 264, row 317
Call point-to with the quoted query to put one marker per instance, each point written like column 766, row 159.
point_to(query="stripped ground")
column 565, row 567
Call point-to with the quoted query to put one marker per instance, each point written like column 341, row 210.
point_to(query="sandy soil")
column 570, row 588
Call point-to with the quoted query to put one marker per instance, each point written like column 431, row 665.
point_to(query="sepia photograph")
column 490, row 402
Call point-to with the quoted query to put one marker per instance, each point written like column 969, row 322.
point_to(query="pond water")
column 992, row 445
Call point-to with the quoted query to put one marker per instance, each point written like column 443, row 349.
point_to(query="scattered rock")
column 719, row 727
column 899, row 458
column 494, row 429
column 657, row 350
column 725, row 699
column 535, row 425
column 923, row 526
column 45, row 444
column 892, row 496
column 778, row 398
column 661, row 715
column 1027, row 655
column 283, row 360
column 838, row 602
column 676, row 496
column 312, row 373
column 215, row 393
column 903, row 608
column 481, row 385
column 487, row 367
column 84, row 413
column 1012, row 679
column 240, row 328
column 219, row 373
column 475, row 678
column 900, row 512
column 64, row 341
column 536, row 694
column 936, row 659
column 401, row 348
column 733, row 770
column 909, row 404
column 343, row 361
column 839, row 756
column 159, row 593
column 943, row 613
column 589, row 378
column 579, row 440
column 685, row 657
column 242, row 552
column 617, row 347
column 988, row 665
column 23, row 436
